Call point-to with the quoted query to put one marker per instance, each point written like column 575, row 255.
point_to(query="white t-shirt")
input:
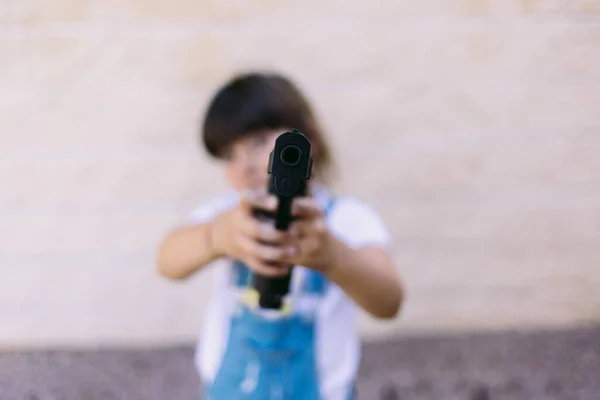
column 337, row 341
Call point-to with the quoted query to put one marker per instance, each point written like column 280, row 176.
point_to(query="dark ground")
column 563, row 365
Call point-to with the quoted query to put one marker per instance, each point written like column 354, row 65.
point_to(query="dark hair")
column 253, row 102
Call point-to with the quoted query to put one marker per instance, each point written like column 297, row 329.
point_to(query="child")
column 338, row 245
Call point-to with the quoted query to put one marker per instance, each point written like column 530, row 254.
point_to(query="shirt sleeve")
column 358, row 225
column 209, row 210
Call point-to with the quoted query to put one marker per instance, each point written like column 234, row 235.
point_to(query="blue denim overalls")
column 269, row 358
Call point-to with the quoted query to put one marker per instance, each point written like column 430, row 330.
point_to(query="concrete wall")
column 471, row 125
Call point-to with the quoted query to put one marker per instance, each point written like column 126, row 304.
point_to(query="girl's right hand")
column 237, row 234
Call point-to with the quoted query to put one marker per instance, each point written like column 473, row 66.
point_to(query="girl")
column 339, row 245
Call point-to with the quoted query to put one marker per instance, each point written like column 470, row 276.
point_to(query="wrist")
column 335, row 256
column 212, row 240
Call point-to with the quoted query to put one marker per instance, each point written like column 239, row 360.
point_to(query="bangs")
column 250, row 104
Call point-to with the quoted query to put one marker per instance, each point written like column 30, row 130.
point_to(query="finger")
column 265, row 269
column 262, row 231
column 310, row 227
column 304, row 249
column 247, row 224
column 265, row 252
column 267, row 202
column 274, row 254
column 246, row 246
column 265, row 232
column 305, row 207
column 250, row 196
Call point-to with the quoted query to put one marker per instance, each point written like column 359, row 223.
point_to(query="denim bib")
column 270, row 358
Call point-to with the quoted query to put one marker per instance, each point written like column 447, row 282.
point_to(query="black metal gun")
column 290, row 166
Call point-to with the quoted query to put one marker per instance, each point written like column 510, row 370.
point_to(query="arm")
column 185, row 251
column 218, row 233
column 368, row 276
column 350, row 249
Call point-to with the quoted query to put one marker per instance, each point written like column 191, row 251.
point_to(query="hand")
column 309, row 242
column 237, row 234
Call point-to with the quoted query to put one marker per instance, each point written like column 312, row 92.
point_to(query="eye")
column 259, row 141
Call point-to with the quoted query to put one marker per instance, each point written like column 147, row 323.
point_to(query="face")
column 247, row 160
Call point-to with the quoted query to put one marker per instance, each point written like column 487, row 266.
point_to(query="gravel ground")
column 563, row 365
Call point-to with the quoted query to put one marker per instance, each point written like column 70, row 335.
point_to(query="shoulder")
column 358, row 223
column 210, row 208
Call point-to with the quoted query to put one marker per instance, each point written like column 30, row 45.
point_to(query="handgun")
column 290, row 167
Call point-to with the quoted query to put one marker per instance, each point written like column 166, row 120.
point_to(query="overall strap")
column 329, row 206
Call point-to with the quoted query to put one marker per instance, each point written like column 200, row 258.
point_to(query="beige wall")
column 471, row 125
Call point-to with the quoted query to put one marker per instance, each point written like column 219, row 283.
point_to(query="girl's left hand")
column 309, row 239
column 310, row 235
